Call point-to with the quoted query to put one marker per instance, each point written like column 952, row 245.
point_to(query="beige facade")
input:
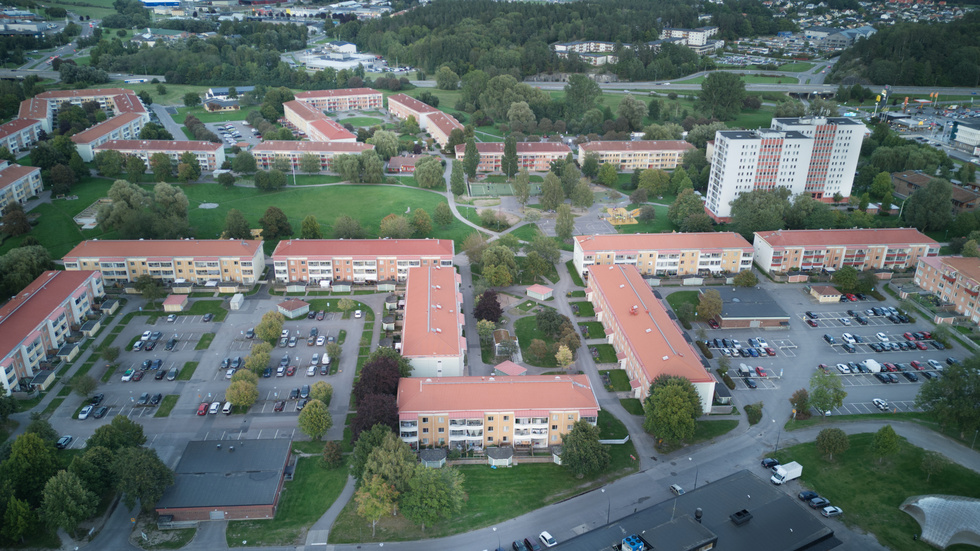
column 954, row 279
column 534, row 156
column 293, row 151
column 18, row 183
column 122, row 127
column 210, row 155
column 864, row 249
column 438, row 124
column 628, row 156
column 356, row 260
column 347, row 99
column 19, row 134
column 665, row 254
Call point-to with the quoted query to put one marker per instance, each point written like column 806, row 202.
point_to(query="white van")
column 326, row 359
column 227, row 409
column 215, row 407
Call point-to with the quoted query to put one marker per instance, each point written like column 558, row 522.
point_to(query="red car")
column 918, row 365
column 908, row 336
column 921, row 345
column 279, row 406
column 712, row 324
column 811, row 323
column 138, row 375
column 770, row 351
column 823, row 367
column 889, row 366
column 760, row 371
column 926, row 335
column 851, row 297
column 290, row 371
column 203, row 409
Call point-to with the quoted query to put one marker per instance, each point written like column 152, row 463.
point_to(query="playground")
column 621, row 217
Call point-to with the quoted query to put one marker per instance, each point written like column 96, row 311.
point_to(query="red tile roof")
column 159, row 145
column 969, row 268
column 23, row 313
column 522, row 148
column 293, row 304
column 13, row 172
column 33, row 108
column 444, row 122
column 495, row 394
column 432, row 314
column 411, row 103
column 838, row 238
column 286, row 146
column 510, row 368
column 365, row 248
column 16, row 126
column 164, row 248
column 657, row 343
column 403, row 161
column 332, row 130
column 105, row 127
column 304, row 111
column 127, row 103
column 641, row 145
column 85, row 93
column 341, row 93
column 662, row 241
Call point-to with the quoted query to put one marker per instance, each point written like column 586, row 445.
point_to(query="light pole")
column 608, row 504
column 498, row 538
column 697, row 471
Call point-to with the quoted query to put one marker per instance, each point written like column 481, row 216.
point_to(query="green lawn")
column 585, row 309
column 870, row 493
column 619, row 381
column 174, row 96
column 206, row 116
column 706, row 430
column 660, row 224
column 607, row 353
column 527, row 330
column 527, row 232
column 167, row 405
column 96, row 9
column 677, row 298
column 797, row 67
column 304, row 500
column 752, row 118
column 594, row 329
column 201, row 307
column 358, row 122
column 187, row 371
column 205, row 341
column 610, row 427
column 632, row 405
column 576, row 277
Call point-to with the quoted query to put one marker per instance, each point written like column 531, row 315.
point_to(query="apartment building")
column 648, row 342
column 432, row 335
column 18, row 183
column 19, row 134
column 533, row 411
column 864, row 249
column 593, row 52
column 196, row 261
column 692, row 37
column 438, row 124
column 665, row 254
column 813, row 155
column 357, row 260
column 267, row 152
column 346, row 99
column 638, row 155
column 44, row 106
column 39, row 319
column 534, row 156
column 314, row 124
column 954, row 279
column 210, row 155
column 126, row 126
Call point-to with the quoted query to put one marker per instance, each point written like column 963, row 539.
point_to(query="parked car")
column 320, row 315
column 290, row 371
column 812, row 315
column 215, row 408
column 100, row 413
column 203, row 408
column 283, row 342
column 266, row 373
column 171, row 318
column 64, row 442
column 807, row 495
column 811, row 323
column 883, row 377
column 819, row 503
column 97, row 399
column 171, row 343
column 519, row 546
column 292, row 342
column 770, row 352
column 208, row 317
column 935, row 365
column 144, row 399
column 831, row 511
column 357, row 314
column 311, row 371
column 760, row 371
column 128, row 375
column 849, row 348
column 155, row 399
column 138, row 376
column 137, row 346
column 547, row 540
column 880, row 404
column 882, row 337
column 146, row 335
column 830, row 339
column 712, row 324
column 279, row 406
column 311, row 314
column 843, row 368
column 769, row 462
column 250, row 334
column 149, row 346
column 750, row 382
column 85, row 412
column 938, row 345
column 160, row 375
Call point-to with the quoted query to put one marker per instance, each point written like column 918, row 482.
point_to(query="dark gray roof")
column 806, row 121
column 209, row 476
column 750, row 303
column 432, row 454
column 779, row 520
column 500, row 453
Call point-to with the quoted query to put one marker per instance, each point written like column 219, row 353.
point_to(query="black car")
column 314, row 332
column 937, row 345
column 311, row 315
column 812, row 315
column 892, row 378
column 266, row 373
column 830, row 339
column 852, row 313
column 883, row 377
column 294, row 394
column 928, row 375
column 225, row 363
column 150, row 345
column 860, row 296
column 237, row 363
column 861, row 319
column 818, row 503
column 208, row 317
column 97, row 399
column 519, row 546
column 171, row 343
column 807, row 495
column 100, row 413
column 160, row 375
column 144, row 399
column 250, row 334
column 849, row 347
column 532, row 545
column 911, row 376
column 769, row 462
column 155, row 399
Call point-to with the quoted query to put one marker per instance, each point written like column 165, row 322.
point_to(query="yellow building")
column 642, row 154
column 666, row 254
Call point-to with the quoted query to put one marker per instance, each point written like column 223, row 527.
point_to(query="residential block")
column 266, row 153
column 210, row 155
column 438, row 124
column 18, row 184
column 864, row 249
column 432, row 335
column 346, row 99
column 642, row 154
column 954, row 279
column 357, row 260
column 534, row 156
column 314, row 124
column 126, row 126
column 19, row 134
column 665, row 254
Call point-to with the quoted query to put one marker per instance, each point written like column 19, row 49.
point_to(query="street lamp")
column 697, row 471
column 498, row 538
column 608, row 504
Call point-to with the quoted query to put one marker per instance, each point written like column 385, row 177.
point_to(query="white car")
column 849, row 338
column 315, row 359
column 138, row 346
column 357, row 313
column 230, row 373
column 882, row 337
column 321, row 340
column 547, row 540
column 880, row 404
column 935, row 365
column 326, row 359
column 171, row 318
column 844, row 321
column 85, row 411
column 311, row 371
column 831, row 511
column 843, row 368
column 128, row 375
column 146, row 335
column 762, row 343
column 284, row 334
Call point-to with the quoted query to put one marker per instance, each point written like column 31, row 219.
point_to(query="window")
column 425, row 431
column 489, row 439
column 489, row 429
column 506, row 417
column 425, row 441
column 425, row 419
column 442, row 430
column 571, row 416
column 568, row 427
column 489, row 417
column 554, row 427
column 505, row 439
column 441, row 419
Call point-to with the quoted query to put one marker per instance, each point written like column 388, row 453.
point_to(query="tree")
column 62, row 178
column 150, row 288
column 885, row 443
column 84, row 385
column 686, row 205
column 393, row 461
column 488, row 307
column 321, row 391
column 709, row 305
column 374, row 409
column 745, row 278
column 236, row 226
column 882, row 185
column 633, row 111
column 474, row 246
column 471, row 159
column 20, row 266
column 552, row 194
column 654, row 181
column 120, row 433
column 721, row 95
column 374, row 499
column 581, row 94
column 581, row 451
column 270, row 180
column 270, row 326
column 246, row 375
column 15, row 221
column 760, row 210
column 310, row 163
column 310, row 228
column 933, row 463
column 456, row 182
column 67, row 502
column 363, row 446
column 801, row 404
column 928, row 208
column 274, row 224
column 141, row 476
column 433, row 494
column 191, row 99
column 332, row 456
column 226, row 180
column 385, row 143
column 110, row 163
column 394, row 226
column 18, row 520
column 162, row 166
column 485, row 329
column 545, row 247
column 446, row 79
column 345, row 304
column 508, row 163
column 521, row 117
column 826, row 391
column 582, row 195
column 346, row 227
column 522, row 187
column 564, row 223
column 831, row 441
column 244, row 163
column 443, row 214
column 314, row 420
column 135, row 169
column 333, row 350
column 952, row 398
column 564, row 357
column 242, row 393
column 846, row 278
column 607, row 175
column 421, row 223
column 499, row 265
column 429, row 173
column 379, row 376
column 29, row 467
column 671, row 409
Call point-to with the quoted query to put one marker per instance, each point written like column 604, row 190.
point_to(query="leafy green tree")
column 421, row 223
column 236, row 226
column 15, row 221
column 346, row 227
column 522, row 187
column 274, row 224
column 244, row 163
column 393, row 461
column 608, row 176
column 633, row 111
column 135, row 169
column 83, row 385
column 745, row 278
column 508, row 163
column 364, row 445
column 760, row 210
column 952, row 398
column 590, row 164
column 456, row 180
column 564, row 223
column 826, row 391
column 374, row 499
column 846, row 278
column 188, row 168
column 67, row 502
column 29, row 467
column 322, row 391
column 310, row 228
column 446, row 79
column 551, row 192
column 885, row 443
column 191, row 99
column 443, row 214
column 701, row 133
column 882, row 185
column 20, row 266
column 110, row 163
column 655, row 181
column 429, row 173
column 226, row 180
column 61, row 178
column 270, row 326
column 162, row 166
column 933, row 463
column 314, row 420
column 395, row 227
column 521, row 117
column 385, row 143
column 545, row 247
column 18, row 520
column 581, row 94
column 709, row 304
column 672, row 409
column 581, row 451
column 149, row 287
column 471, row 159
column 686, row 204
column 721, row 95
column 345, row 304
column 433, row 494
column 142, row 476
column 928, row 208
column 242, row 393
column 120, row 433
column 310, row 163
column 246, row 375
column 831, row 441
column 582, row 195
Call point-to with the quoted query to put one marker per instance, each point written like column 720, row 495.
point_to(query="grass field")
column 870, row 492
column 527, row 330
column 618, row 379
column 358, row 122
column 607, row 353
column 585, row 309
column 595, row 329
column 632, row 405
column 205, row 116
column 97, row 9
column 660, row 224
column 677, row 298
column 174, row 96
column 797, row 67
column 167, row 405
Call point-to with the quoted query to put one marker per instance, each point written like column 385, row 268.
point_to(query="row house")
column 18, row 184
column 126, row 126
column 432, row 333
column 954, row 279
column 648, row 342
column 533, row 411
column 665, row 254
column 886, row 249
column 628, row 156
column 346, row 99
column 19, row 134
column 314, row 124
column 196, row 261
column 39, row 319
column 404, row 164
column 293, row 151
column 534, row 156
column 438, row 124
column 210, row 155
column 357, row 260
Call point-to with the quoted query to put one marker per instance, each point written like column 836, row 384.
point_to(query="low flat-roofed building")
column 749, row 307
column 39, row 319
column 221, row 105
column 210, row 155
column 345, row 99
column 432, row 334
column 126, row 126
column 194, row 260
column 357, row 260
column 224, row 92
column 227, row 480
column 665, row 254
column 477, row 412
column 648, row 342
column 955, row 280
column 267, row 152
column 890, row 249
column 18, row 184
column 19, row 134
column 638, row 155
column 534, row 156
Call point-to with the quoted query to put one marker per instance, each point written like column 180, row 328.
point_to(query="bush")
column 727, row 380
column 754, row 412
column 705, row 350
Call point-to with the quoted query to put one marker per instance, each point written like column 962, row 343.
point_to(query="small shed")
column 499, row 337
column 433, row 458
column 294, row 308
column 43, row 380
column 509, row 368
column 500, row 457
column 539, row 292
column 391, row 302
column 404, row 164
column 556, row 454
column 91, row 327
column 175, row 303
column 110, row 306
column 388, row 323
column 722, row 394
column 236, row 301
column 825, row 293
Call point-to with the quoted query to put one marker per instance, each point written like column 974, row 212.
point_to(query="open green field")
column 205, row 116
column 870, row 493
column 660, row 224
column 797, row 66
column 174, row 96
column 95, row 8
column 358, row 122
column 676, row 299
column 527, row 330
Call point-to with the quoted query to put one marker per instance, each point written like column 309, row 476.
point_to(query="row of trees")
column 375, row 391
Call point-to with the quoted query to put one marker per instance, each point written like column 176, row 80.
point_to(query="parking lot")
column 244, row 130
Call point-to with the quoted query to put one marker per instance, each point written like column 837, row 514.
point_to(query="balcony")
column 414, row 435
